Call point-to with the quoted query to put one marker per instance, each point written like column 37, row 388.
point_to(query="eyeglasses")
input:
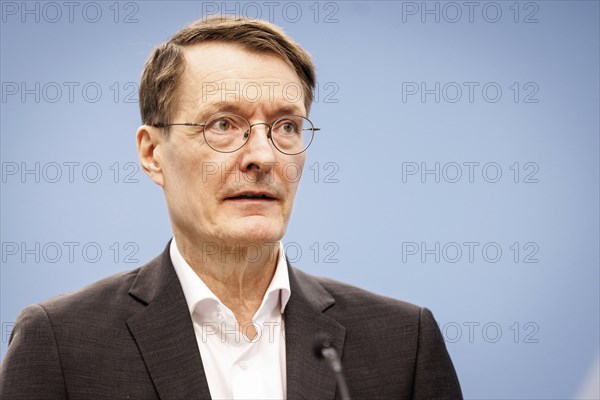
column 228, row 132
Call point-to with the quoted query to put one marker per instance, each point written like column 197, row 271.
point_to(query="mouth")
column 252, row 196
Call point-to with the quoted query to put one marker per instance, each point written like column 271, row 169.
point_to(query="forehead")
column 217, row 74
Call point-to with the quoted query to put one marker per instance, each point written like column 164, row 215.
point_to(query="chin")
column 259, row 230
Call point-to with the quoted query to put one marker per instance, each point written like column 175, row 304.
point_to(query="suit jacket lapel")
column 307, row 376
column 164, row 333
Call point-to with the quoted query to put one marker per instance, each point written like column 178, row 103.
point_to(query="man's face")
column 205, row 189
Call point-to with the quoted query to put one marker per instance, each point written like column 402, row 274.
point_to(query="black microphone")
column 324, row 349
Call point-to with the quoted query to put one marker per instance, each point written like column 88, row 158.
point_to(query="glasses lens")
column 226, row 132
column 292, row 134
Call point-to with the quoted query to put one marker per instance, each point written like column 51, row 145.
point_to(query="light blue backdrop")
column 457, row 166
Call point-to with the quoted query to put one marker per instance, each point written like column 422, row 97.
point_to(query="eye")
column 287, row 127
column 221, row 124
column 226, row 125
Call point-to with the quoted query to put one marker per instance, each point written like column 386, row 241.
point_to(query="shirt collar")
column 196, row 291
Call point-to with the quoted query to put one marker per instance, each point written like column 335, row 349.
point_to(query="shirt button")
column 243, row 365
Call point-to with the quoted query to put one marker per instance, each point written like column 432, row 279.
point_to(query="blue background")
column 517, row 324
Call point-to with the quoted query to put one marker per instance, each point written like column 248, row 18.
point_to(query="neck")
column 237, row 274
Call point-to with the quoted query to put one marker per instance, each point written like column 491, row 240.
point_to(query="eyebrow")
column 237, row 108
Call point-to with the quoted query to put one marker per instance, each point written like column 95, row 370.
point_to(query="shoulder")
column 107, row 301
column 354, row 304
column 351, row 295
column 107, row 293
column 102, row 305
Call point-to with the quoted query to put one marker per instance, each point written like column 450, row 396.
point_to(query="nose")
column 258, row 153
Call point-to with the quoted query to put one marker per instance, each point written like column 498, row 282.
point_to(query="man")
column 220, row 313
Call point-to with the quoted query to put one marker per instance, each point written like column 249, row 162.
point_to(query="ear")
column 149, row 140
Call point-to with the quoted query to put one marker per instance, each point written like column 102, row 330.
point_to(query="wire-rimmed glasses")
column 228, row 132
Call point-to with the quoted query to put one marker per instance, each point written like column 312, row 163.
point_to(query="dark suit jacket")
column 130, row 336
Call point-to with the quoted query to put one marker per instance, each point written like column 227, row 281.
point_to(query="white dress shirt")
column 235, row 366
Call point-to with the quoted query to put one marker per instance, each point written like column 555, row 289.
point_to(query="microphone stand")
column 325, row 349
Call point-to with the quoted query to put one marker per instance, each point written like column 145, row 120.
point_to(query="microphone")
column 324, row 349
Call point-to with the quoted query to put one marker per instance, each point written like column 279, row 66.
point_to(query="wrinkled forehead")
column 218, row 74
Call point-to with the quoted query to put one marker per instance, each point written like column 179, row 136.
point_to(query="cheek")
column 292, row 176
column 185, row 176
column 193, row 165
column 291, row 173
